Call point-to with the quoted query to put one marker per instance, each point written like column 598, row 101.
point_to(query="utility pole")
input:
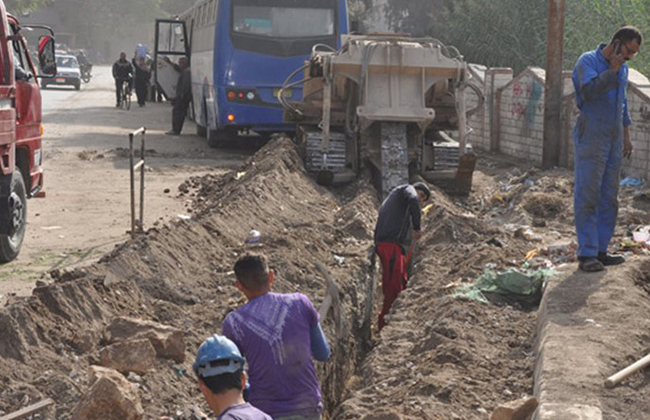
column 553, row 88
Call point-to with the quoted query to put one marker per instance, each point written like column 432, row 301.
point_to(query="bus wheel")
column 17, row 207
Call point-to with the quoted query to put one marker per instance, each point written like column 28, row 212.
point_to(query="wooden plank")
column 29, row 410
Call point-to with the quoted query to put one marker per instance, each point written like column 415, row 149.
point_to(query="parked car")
column 67, row 73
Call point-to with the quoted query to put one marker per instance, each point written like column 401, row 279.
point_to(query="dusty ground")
column 86, row 211
column 440, row 357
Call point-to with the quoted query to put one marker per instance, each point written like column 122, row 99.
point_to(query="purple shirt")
column 272, row 331
column 243, row 412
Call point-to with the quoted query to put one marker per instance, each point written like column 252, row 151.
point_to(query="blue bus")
column 242, row 51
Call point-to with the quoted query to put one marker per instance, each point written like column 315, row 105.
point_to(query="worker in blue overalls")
column 602, row 138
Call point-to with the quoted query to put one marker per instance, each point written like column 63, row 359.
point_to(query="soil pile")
column 439, row 357
column 180, row 275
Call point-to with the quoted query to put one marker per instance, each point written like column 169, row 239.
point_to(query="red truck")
column 20, row 127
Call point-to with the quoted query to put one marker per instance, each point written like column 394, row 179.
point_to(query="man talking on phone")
column 601, row 138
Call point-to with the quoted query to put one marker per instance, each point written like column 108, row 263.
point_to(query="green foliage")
column 512, row 33
column 18, row 7
column 591, row 22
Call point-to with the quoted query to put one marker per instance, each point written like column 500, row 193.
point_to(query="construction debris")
column 127, row 356
column 110, row 397
column 168, row 342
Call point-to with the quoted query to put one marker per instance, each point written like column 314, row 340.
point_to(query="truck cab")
column 21, row 174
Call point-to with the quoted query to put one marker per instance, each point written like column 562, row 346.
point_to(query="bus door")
column 171, row 42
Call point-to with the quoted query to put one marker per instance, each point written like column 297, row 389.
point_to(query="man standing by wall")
column 601, row 138
column 397, row 213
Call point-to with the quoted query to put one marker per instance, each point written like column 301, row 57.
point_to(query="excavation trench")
column 439, row 357
column 180, row 275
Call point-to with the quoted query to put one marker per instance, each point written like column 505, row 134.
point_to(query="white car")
column 67, row 73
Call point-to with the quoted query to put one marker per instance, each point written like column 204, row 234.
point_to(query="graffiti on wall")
column 526, row 102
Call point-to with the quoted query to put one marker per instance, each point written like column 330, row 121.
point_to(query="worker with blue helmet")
column 219, row 367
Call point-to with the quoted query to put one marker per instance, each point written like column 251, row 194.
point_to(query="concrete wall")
column 521, row 116
column 511, row 120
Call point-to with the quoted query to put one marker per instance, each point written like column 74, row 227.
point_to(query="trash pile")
column 511, row 286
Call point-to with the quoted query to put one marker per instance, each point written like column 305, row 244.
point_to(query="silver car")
column 67, row 73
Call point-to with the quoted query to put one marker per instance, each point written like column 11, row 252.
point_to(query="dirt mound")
column 180, row 275
column 439, row 357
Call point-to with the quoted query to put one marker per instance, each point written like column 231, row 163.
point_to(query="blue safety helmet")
column 214, row 349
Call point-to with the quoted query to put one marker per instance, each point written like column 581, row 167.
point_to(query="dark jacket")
column 142, row 76
column 397, row 212
column 122, row 69
column 184, row 87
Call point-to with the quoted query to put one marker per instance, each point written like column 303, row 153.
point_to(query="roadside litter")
column 510, row 286
column 631, row 182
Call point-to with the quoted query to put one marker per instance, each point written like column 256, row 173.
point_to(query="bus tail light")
column 231, row 117
column 242, row 95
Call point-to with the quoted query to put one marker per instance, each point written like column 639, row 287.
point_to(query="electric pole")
column 553, row 88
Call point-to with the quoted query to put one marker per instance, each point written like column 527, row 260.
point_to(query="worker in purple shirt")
column 278, row 334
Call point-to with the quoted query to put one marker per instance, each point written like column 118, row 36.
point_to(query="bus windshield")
column 283, row 22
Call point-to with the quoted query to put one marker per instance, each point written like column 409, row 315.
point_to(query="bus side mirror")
column 46, row 57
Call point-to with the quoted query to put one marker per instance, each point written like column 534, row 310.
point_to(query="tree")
column 23, row 6
column 512, row 33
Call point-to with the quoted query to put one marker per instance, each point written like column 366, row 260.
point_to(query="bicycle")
column 125, row 94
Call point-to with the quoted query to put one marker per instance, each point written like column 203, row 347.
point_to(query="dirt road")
column 86, row 211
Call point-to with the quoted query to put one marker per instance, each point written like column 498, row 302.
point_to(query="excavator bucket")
column 458, row 183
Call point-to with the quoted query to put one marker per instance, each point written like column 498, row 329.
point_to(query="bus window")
column 283, row 22
column 213, row 10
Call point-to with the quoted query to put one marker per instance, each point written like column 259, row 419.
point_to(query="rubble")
column 127, row 356
column 168, row 342
column 522, row 409
column 110, row 397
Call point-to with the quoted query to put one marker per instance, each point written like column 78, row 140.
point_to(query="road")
column 86, row 211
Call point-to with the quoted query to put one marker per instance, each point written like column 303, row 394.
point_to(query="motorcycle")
column 85, row 72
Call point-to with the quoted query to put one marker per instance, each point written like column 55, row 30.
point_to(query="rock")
column 168, row 342
column 110, row 397
column 129, row 356
column 521, row 409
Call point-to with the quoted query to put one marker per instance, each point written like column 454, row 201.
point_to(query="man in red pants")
column 399, row 211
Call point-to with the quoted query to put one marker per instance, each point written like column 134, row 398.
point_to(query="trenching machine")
column 388, row 100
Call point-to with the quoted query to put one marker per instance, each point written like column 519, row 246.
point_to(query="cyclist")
column 84, row 64
column 122, row 71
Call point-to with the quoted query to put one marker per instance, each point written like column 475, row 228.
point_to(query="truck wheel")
column 10, row 244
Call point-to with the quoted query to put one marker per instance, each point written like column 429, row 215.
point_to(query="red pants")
column 394, row 276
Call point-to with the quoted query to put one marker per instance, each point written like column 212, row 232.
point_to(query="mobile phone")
column 617, row 50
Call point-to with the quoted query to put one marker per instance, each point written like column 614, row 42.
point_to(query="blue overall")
column 601, row 95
